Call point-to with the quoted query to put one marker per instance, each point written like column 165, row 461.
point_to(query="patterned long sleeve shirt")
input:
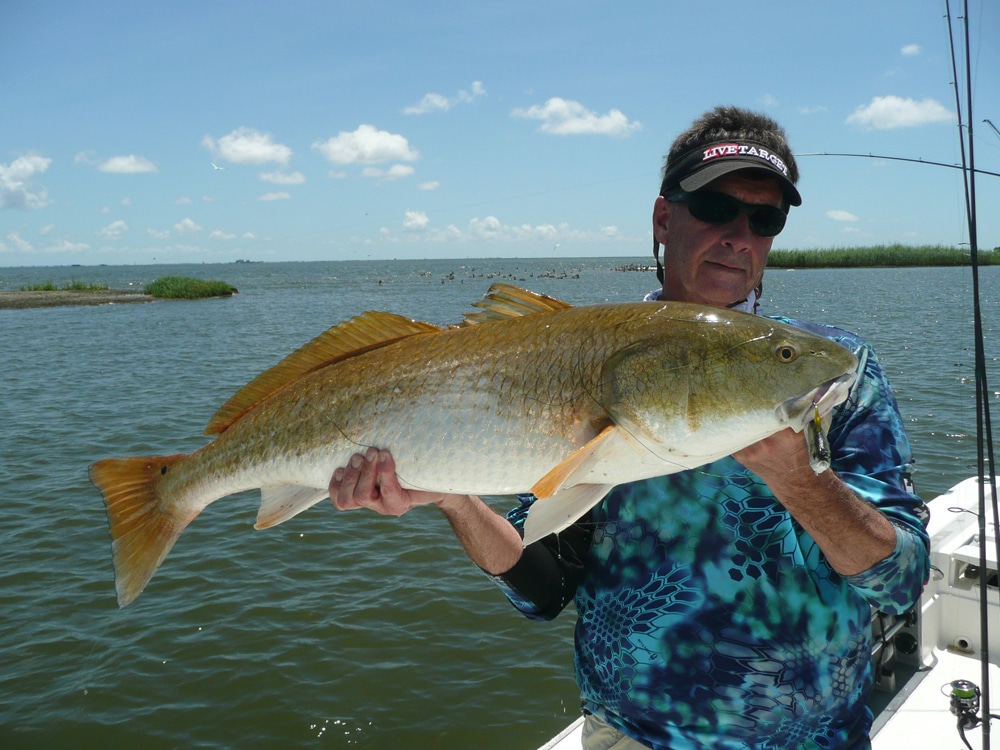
column 708, row 618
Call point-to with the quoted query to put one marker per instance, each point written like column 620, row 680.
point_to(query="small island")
column 77, row 294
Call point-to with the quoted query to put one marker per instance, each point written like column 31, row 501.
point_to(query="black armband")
column 550, row 569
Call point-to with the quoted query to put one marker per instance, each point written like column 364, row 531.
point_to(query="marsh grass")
column 879, row 256
column 69, row 286
column 182, row 287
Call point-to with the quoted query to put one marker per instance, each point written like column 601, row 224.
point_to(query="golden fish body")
column 565, row 402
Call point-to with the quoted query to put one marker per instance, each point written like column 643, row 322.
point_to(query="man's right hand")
column 370, row 481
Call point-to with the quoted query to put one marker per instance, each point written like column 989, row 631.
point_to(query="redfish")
column 527, row 394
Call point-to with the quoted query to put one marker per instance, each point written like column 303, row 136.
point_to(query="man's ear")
column 662, row 209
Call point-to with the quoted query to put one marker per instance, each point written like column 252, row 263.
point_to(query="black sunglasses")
column 719, row 208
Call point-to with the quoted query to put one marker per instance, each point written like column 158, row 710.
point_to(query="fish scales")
column 565, row 402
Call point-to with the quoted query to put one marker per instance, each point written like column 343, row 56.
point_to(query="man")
column 727, row 606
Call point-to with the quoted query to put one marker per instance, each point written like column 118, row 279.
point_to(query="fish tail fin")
column 143, row 526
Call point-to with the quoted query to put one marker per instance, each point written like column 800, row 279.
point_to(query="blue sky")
column 208, row 131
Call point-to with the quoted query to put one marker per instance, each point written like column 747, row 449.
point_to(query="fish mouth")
column 801, row 409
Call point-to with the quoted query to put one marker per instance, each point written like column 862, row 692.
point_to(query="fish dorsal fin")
column 367, row 331
column 504, row 301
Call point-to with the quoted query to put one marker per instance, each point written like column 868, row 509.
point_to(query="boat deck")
column 922, row 708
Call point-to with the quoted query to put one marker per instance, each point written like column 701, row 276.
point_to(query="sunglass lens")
column 719, row 208
column 767, row 221
column 713, row 208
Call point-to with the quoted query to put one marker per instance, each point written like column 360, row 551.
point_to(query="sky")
column 211, row 131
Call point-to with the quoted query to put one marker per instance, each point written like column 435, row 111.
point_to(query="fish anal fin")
column 555, row 513
column 278, row 504
column 366, row 332
column 608, row 443
column 143, row 527
column 504, row 301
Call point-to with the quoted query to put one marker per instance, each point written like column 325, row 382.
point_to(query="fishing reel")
column 964, row 703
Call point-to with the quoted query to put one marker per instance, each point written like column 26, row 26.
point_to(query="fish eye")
column 786, row 353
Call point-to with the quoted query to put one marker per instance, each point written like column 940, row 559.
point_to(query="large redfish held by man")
column 529, row 394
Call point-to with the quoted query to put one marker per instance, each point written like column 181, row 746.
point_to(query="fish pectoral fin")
column 278, row 504
column 610, row 444
column 555, row 513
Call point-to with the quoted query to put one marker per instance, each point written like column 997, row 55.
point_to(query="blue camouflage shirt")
column 708, row 618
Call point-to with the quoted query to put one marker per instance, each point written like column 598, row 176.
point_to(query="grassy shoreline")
column 77, row 294
column 880, row 256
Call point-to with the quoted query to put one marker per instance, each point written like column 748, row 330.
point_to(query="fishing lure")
column 819, row 446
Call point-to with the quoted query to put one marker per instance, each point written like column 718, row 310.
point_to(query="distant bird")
column 216, row 166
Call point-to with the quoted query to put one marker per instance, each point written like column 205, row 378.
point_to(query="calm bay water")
column 331, row 630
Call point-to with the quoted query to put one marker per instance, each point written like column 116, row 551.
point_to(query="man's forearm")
column 487, row 537
column 853, row 535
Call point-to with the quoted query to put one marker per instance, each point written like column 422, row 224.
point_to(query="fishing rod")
column 990, row 123
column 984, row 432
column 962, row 167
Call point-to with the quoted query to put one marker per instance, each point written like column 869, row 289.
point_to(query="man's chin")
column 722, row 292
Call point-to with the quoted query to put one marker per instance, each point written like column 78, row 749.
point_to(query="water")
column 330, row 630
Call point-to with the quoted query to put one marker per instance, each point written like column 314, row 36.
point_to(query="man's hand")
column 783, row 452
column 370, row 481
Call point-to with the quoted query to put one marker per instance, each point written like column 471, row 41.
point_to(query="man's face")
column 713, row 264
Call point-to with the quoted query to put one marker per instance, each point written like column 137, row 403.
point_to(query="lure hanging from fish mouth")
column 819, row 446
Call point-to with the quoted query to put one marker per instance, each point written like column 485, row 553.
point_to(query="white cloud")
column 398, row 171
column 438, row 103
column 489, row 227
column 249, row 236
column 15, row 243
column 429, row 103
column 566, row 117
column 840, row 215
column 218, row 234
column 16, row 188
column 65, row 246
column 186, row 225
column 813, row 109
column 279, row 196
column 366, row 145
column 248, row 146
column 889, row 112
column 395, row 172
column 283, row 178
column 158, row 234
column 112, row 231
column 130, row 164
column 182, row 201
column 47, row 229
column 415, row 221
column 430, row 185
column 911, row 50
